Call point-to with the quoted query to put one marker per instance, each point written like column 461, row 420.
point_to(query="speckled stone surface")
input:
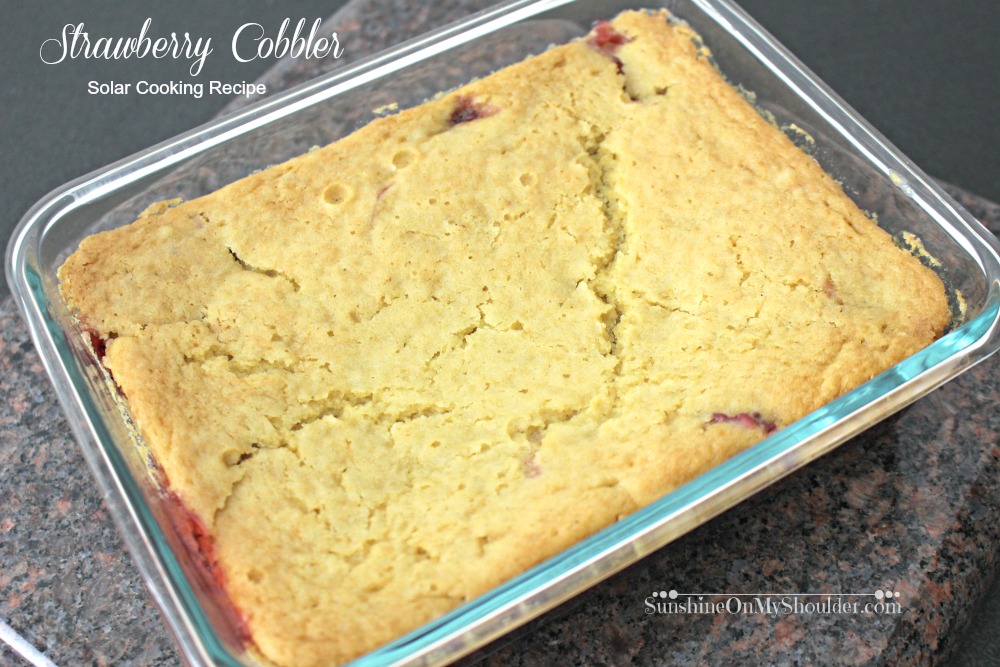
column 911, row 506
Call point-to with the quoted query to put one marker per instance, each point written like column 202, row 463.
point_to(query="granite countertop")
column 911, row 506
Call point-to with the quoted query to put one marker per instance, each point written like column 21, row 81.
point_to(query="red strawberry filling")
column 192, row 532
column 606, row 39
column 198, row 543
column 97, row 343
column 745, row 419
column 468, row 109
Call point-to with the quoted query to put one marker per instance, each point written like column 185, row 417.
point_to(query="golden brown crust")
column 398, row 370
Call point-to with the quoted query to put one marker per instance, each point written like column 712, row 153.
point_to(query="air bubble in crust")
column 337, row 193
column 404, row 158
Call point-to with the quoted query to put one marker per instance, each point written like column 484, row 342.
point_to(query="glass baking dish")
column 901, row 197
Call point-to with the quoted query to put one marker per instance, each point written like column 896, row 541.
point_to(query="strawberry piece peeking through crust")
column 99, row 344
column 605, row 38
column 468, row 109
column 746, row 419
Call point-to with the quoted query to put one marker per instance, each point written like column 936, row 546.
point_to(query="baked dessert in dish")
column 394, row 372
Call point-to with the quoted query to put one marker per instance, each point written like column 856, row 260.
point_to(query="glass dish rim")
column 622, row 543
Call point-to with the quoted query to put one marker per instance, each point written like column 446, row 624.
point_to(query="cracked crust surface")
column 398, row 370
